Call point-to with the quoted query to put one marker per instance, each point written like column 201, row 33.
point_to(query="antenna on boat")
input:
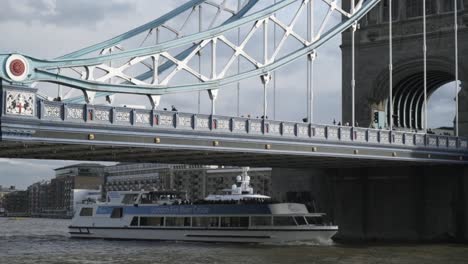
column 245, row 176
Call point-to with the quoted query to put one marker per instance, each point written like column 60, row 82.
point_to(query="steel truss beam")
column 243, row 9
column 153, row 84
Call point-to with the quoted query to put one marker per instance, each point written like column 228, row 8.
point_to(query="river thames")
column 47, row 241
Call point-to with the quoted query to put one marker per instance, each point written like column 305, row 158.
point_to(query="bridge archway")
column 408, row 90
column 442, row 109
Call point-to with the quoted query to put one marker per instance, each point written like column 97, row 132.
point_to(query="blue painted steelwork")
column 201, row 209
column 153, row 24
column 42, row 67
column 246, row 8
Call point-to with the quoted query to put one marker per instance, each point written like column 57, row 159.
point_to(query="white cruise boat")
column 239, row 215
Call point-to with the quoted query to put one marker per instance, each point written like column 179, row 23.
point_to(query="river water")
column 47, row 241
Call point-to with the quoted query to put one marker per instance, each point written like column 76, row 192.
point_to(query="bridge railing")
column 169, row 120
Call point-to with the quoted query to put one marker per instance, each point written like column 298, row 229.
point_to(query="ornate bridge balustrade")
column 128, row 117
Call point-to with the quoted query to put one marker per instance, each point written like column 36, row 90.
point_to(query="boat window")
column 117, row 212
column 283, row 221
column 261, row 220
column 148, row 198
column 313, row 220
column 130, row 198
column 234, row 221
column 177, row 221
column 134, row 221
column 86, row 211
column 300, row 220
column 151, row 221
column 205, row 222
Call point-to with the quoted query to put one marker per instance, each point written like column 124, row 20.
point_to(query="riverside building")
column 197, row 181
column 56, row 198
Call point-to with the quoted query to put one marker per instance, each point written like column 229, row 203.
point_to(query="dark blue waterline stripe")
column 229, row 236
column 204, row 229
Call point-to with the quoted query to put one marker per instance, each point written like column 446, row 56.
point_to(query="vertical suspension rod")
column 353, row 71
column 456, row 125
column 310, row 63
column 238, row 61
column 308, row 69
column 200, row 29
column 274, row 73
column 390, row 66
column 425, row 65
column 59, row 88
column 213, row 72
column 265, row 61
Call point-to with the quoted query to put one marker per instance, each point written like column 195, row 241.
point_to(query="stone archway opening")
column 408, row 98
column 408, row 102
column 442, row 109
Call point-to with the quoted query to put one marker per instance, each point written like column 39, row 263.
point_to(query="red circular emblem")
column 17, row 67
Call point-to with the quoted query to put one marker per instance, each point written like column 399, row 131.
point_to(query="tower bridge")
column 29, row 117
column 394, row 163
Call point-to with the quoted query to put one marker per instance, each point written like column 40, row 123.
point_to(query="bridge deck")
column 55, row 130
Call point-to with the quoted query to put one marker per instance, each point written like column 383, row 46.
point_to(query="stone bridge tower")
column 372, row 61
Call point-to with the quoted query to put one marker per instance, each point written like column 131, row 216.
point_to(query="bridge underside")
column 53, row 151
column 67, row 141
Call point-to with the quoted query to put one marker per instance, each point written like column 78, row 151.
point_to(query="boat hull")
column 203, row 235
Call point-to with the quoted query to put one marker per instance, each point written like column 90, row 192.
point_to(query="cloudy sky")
column 51, row 28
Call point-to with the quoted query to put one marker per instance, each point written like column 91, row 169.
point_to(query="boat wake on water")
column 326, row 242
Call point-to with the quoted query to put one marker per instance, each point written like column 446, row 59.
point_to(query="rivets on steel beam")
column 91, row 137
column 314, row 149
column 356, row 151
column 267, row 146
column 157, row 140
column 394, row 154
column 215, row 143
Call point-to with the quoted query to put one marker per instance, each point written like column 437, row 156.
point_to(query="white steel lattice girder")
column 151, row 85
column 155, row 27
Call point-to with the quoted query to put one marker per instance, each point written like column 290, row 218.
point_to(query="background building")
column 197, row 181
column 204, row 180
column 147, row 176
column 34, row 198
column 57, row 198
column 85, row 176
column 16, row 203
column 191, row 179
column 4, row 191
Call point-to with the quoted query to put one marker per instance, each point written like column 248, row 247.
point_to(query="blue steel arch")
column 42, row 68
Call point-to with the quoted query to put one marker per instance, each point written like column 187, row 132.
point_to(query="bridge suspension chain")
column 162, row 23
column 163, row 62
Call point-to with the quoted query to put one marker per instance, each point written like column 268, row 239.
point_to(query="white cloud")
column 63, row 13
